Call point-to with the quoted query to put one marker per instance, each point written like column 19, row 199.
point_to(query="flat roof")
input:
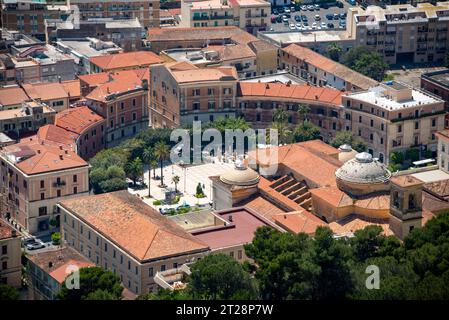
column 83, row 47
column 242, row 223
column 307, row 36
column 375, row 96
column 440, row 77
column 280, row 77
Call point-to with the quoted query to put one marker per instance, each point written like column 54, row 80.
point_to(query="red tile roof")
column 6, row 231
column 32, row 156
column 77, row 119
column 315, row 59
column 72, row 87
column 96, row 79
column 52, row 134
column 299, row 221
column 133, row 225
column 293, row 91
column 46, row 91
column 126, row 60
column 12, row 96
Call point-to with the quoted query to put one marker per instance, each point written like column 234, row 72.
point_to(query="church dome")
column 240, row 175
column 363, row 175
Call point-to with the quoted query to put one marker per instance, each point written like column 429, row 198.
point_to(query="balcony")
column 203, row 18
column 59, row 184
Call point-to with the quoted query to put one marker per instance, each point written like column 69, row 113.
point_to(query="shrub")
column 157, row 202
column 56, row 238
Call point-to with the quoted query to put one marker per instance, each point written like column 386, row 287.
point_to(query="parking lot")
column 332, row 18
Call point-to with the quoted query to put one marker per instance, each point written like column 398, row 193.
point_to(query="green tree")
column 334, row 51
column 176, row 180
column 199, row 190
column 165, row 294
column 8, row 293
column 219, row 276
column 306, row 131
column 108, row 179
column 93, row 279
column 303, row 111
column 397, row 157
column 162, row 153
column 366, row 61
column 134, row 170
column 101, row 295
column 412, row 154
column 148, row 158
column 347, row 137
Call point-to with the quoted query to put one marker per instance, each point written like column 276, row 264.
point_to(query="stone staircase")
column 294, row 189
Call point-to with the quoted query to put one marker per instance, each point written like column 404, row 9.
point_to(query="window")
column 210, row 91
column 75, row 190
column 105, row 247
column 136, row 270
column 150, row 272
column 42, row 196
column 42, row 184
column 434, row 122
column 5, row 249
column 4, row 265
column 175, row 265
column 163, row 267
column 399, row 128
column 75, row 178
column 196, row 92
column 129, row 265
column 239, row 254
column 58, row 193
column 42, row 211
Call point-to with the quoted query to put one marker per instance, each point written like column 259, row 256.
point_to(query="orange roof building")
column 128, row 233
column 124, row 61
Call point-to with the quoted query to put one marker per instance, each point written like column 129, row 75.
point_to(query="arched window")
column 411, row 201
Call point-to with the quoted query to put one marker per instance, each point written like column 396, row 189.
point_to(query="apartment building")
column 119, row 232
column 10, row 256
column 29, row 118
column 35, row 176
column 393, row 117
column 48, row 270
column 147, row 12
column 403, row 33
column 437, row 82
column 27, row 16
column 12, row 97
column 126, row 33
column 182, row 93
column 251, row 16
column 321, row 71
column 223, row 46
column 443, row 150
column 122, row 100
column 123, row 61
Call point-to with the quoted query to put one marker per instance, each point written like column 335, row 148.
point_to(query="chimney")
column 110, row 77
column 59, row 79
column 50, row 264
column 230, row 218
column 267, row 86
column 60, row 147
column 38, row 151
column 61, row 157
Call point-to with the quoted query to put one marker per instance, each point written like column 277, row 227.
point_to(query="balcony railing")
column 202, row 18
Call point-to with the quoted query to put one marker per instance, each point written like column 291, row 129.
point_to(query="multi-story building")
column 182, row 93
column 35, row 176
column 122, row 100
column 146, row 11
column 394, row 117
column 321, row 71
column 402, row 33
column 123, row 61
column 251, row 16
column 10, row 256
column 437, row 82
column 224, row 46
column 12, row 97
column 27, row 16
column 125, row 33
column 443, row 150
column 119, row 232
column 48, row 270
column 29, row 118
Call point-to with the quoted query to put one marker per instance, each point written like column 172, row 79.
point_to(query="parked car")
column 340, row 4
column 329, row 16
column 35, row 246
column 305, row 23
column 292, row 26
column 343, row 15
column 278, row 19
column 275, row 11
column 298, row 26
column 285, row 20
column 317, row 17
column 273, row 19
column 303, row 8
column 336, row 16
column 323, row 25
column 310, row 7
column 317, row 7
column 314, row 25
column 292, row 9
column 330, row 25
column 298, row 18
column 287, row 10
column 304, row 18
column 28, row 240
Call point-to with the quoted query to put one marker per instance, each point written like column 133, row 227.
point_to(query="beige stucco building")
column 119, row 232
column 10, row 256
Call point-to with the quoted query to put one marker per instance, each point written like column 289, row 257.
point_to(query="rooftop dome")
column 363, row 169
column 346, row 153
column 240, row 175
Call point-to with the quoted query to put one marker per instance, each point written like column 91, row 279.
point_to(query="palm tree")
column 161, row 152
column 175, row 180
column 334, row 51
column 280, row 118
column 134, row 170
column 154, row 166
column 148, row 158
column 303, row 110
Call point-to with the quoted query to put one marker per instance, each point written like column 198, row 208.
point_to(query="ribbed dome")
column 363, row 169
column 240, row 175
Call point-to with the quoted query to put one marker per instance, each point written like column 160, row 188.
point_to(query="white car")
column 292, row 26
column 310, row 8
column 298, row 26
column 317, row 7
column 323, row 25
column 317, row 17
column 287, row 10
column 303, row 7
column 314, row 26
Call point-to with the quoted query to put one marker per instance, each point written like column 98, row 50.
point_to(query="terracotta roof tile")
column 12, row 96
column 133, row 225
column 77, row 119
column 133, row 59
column 46, row 91
column 299, row 221
column 352, row 223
